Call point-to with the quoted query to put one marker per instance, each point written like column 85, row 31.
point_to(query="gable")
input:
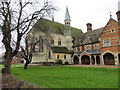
column 112, row 24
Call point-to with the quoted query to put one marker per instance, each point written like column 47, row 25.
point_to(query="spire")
column 110, row 15
column 67, row 15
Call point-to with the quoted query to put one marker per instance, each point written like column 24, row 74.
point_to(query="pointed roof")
column 67, row 15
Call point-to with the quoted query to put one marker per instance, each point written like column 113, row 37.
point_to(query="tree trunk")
column 26, row 65
column 7, row 65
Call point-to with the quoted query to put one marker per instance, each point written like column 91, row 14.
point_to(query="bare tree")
column 14, row 18
column 27, row 52
column 30, row 47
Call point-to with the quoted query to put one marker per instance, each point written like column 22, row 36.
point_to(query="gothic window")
column 41, row 45
column 49, row 54
column 52, row 41
column 57, row 56
column 59, row 42
column 88, row 47
column 107, row 43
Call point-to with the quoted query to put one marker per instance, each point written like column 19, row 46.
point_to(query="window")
column 119, row 40
column 59, row 42
column 57, row 56
column 41, row 45
column 64, row 56
column 78, row 48
column 96, row 46
column 49, row 54
column 107, row 43
column 113, row 30
column 52, row 41
column 88, row 47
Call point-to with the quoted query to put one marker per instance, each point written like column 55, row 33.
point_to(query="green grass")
column 69, row 77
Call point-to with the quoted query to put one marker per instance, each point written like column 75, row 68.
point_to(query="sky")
column 82, row 12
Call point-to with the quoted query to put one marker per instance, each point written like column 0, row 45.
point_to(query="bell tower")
column 67, row 21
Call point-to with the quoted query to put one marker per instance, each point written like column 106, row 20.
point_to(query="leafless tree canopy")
column 18, row 16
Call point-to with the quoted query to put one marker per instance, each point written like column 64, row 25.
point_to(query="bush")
column 66, row 63
column 59, row 62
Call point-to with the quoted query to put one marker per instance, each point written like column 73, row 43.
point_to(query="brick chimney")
column 89, row 27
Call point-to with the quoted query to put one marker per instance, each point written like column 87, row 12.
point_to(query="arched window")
column 59, row 42
column 64, row 56
column 57, row 56
column 41, row 45
column 52, row 41
column 49, row 54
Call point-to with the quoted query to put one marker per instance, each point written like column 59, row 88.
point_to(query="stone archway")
column 98, row 60
column 85, row 59
column 93, row 60
column 75, row 60
column 109, row 59
column 119, row 57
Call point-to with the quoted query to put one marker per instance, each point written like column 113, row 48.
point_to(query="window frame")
column 87, row 47
column 106, row 44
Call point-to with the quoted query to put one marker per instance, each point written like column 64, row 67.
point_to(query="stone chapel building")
column 71, row 45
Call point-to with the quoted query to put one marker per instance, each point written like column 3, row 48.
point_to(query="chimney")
column 118, row 12
column 89, row 27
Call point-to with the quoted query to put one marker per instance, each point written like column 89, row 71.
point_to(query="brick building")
column 100, row 46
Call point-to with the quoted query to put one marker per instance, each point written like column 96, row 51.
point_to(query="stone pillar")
column 95, row 60
column 116, row 59
column 72, row 60
column 90, row 60
column 101, row 60
column 80, row 60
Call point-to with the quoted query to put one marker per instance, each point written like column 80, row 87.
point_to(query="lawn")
column 69, row 77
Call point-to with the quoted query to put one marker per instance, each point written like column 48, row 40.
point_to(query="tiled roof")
column 88, row 37
column 57, row 49
column 53, row 27
column 91, row 52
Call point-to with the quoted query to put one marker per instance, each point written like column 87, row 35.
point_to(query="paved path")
column 106, row 66
column 13, row 66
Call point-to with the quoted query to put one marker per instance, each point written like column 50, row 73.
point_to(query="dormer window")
column 59, row 42
column 88, row 47
column 96, row 46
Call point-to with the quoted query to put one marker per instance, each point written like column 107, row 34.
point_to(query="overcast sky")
column 82, row 12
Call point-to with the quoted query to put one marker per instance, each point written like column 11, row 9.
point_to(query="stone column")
column 116, row 59
column 101, row 60
column 72, row 60
column 95, row 60
column 90, row 60
column 80, row 60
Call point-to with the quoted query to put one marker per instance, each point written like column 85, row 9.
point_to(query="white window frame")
column 107, row 43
